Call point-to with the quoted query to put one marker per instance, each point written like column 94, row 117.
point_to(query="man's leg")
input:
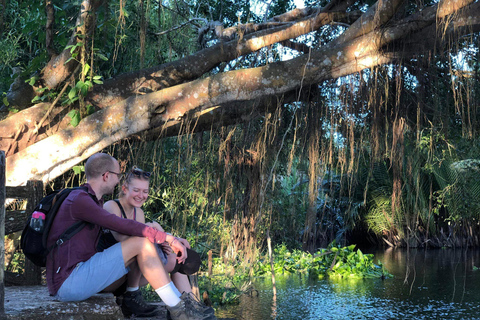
column 94, row 275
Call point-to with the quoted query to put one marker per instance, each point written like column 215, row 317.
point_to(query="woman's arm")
column 153, row 224
column 113, row 208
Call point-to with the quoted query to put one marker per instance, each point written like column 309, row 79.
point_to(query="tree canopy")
column 80, row 76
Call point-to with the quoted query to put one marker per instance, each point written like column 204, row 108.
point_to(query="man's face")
column 113, row 178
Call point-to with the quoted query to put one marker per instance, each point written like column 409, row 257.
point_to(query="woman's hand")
column 155, row 225
column 166, row 248
column 180, row 249
column 184, row 242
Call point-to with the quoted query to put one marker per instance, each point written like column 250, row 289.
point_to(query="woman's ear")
column 124, row 188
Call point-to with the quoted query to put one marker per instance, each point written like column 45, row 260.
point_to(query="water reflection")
column 433, row 284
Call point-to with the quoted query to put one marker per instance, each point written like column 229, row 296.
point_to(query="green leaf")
column 71, row 58
column 75, row 116
column 90, row 109
column 78, row 169
column 79, row 85
column 72, row 49
column 86, row 68
column 86, row 85
column 72, row 93
column 5, row 101
column 101, row 56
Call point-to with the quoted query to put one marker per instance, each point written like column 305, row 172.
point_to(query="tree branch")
column 194, row 66
column 58, row 69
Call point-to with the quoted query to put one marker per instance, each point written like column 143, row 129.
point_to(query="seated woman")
column 133, row 194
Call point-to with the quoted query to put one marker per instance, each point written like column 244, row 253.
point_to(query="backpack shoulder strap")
column 56, row 203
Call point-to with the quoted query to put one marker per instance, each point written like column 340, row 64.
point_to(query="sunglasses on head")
column 140, row 173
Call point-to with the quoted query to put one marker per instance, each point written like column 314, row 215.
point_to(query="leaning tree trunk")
column 148, row 80
column 365, row 47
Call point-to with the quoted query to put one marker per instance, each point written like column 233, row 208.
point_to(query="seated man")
column 75, row 271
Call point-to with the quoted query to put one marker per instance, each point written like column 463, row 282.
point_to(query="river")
column 426, row 284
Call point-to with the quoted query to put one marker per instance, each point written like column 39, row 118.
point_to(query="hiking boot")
column 191, row 300
column 185, row 311
column 133, row 304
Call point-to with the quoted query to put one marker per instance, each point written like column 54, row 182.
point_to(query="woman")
column 133, row 194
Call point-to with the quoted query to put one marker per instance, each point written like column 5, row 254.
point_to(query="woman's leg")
column 181, row 281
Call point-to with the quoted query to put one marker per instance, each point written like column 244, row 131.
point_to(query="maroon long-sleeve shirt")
column 80, row 206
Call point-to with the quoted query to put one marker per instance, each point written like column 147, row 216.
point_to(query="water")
column 433, row 284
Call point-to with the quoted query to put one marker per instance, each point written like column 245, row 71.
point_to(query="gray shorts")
column 93, row 275
column 161, row 254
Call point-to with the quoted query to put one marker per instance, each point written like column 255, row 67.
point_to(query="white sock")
column 176, row 290
column 131, row 289
column 168, row 295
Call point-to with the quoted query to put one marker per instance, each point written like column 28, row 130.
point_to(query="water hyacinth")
column 333, row 262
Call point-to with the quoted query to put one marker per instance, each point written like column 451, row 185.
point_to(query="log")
column 210, row 254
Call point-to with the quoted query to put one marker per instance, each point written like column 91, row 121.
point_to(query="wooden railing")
column 15, row 221
column 12, row 221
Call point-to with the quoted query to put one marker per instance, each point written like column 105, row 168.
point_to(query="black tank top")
column 107, row 239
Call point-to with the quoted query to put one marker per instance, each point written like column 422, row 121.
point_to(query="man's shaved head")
column 98, row 164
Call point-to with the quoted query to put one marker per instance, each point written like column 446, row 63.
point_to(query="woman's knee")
column 139, row 243
column 134, row 246
column 171, row 262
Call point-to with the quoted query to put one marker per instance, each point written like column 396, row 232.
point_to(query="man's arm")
column 86, row 209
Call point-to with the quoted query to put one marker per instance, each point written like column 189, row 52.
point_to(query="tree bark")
column 195, row 65
column 49, row 28
column 170, row 74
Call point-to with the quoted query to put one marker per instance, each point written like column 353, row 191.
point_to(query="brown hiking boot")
column 191, row 300
column 184, row 310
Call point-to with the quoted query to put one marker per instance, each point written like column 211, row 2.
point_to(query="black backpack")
column 34, row 243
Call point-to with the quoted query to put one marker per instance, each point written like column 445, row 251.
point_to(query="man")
column 75, row 271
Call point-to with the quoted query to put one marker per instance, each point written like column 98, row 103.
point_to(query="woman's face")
column 136, row 193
